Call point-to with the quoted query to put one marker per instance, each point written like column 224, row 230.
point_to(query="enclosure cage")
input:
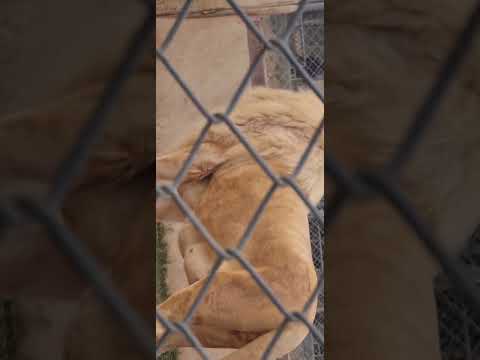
column 459, row 326
column 459, row 329
column 317, row 236
column 306, row 43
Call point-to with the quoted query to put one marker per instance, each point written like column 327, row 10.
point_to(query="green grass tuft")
column 161, row 275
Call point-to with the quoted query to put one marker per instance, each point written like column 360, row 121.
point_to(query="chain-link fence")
column 353, row 185
column 307, row 44
column 459, row 328
column 317, row 237
column 283, row 72
column 279, row 44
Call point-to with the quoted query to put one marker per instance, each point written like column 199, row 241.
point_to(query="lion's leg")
column 291, row 338
column 188, row 237
column 198, row 262
column 210, row 337
column 234, row 301
column 167, row 210
column 250, row 345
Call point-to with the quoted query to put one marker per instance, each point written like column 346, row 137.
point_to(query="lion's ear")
column 207, row 159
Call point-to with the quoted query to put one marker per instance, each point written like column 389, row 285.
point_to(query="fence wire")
column 281, row 45
column 350, row 185
column 459, row 326
column 358, row 184
column 307, row 44
column 317, row 238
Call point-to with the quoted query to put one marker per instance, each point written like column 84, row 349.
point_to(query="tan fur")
column 236, row 313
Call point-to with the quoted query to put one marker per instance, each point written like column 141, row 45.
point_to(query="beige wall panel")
column 212, row 56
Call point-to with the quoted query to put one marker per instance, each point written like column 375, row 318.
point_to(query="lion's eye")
column 207, row 177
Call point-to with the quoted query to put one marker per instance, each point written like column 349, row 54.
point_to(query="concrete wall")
column 212, row 56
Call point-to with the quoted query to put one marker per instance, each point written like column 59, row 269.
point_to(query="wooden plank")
column 210, row 8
